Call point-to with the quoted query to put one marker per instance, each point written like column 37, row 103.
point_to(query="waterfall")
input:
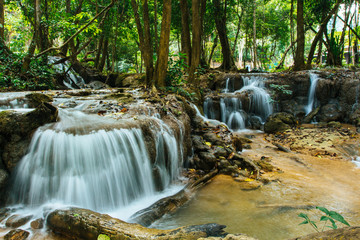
column 231, row 110
column 312, row 90
column 72, row 79
column 260, row 100
column 232, row 113
column 82, row 161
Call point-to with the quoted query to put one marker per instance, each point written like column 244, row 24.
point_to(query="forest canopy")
column 171, row 41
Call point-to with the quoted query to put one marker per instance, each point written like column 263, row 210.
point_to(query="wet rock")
column 213, row 138
column 199, row 145
column 255, row 122
column 85, row 224
column 220, row 151
column 208, row 161
column 16, row 221
column 16, row 234
column 4, row 213
column 35, row 99
column 3, row 178
column 16, row 129
column 279, row 122
column 330, row 112
column 97, row 85
column 37, row 224
column 352, row 233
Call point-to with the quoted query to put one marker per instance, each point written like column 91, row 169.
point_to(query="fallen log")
column 78, row 223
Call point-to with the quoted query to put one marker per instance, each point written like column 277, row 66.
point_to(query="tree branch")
column 78, row 32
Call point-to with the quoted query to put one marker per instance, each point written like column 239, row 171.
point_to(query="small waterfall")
column 232, row 113
column 82, row 161
column 229, row 86
column 312, row 90
column 231, row 110
column 209, row 111
column 72, row 79
column 260, row 100
column 356, row 104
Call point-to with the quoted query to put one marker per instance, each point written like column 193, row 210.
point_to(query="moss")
column 36, row 99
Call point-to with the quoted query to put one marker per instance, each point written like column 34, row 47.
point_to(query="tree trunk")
column 2, row 20
column 228, row 61
column 213, row 49
column 145, row 44
column 300, row 48
column 27, row 59
column 254, row 35
column 104, row 54
column 292, row 27
column 185, row 31
column 163, row 51
column 196, row 40
column 320, row 32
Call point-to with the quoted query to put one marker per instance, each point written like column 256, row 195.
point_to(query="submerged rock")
column 35, row 99
column 16, row 221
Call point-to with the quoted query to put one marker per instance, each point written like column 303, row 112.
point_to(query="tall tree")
column 163, row 50
column 299, row 63
column 254, row 34
column 185, row 31
column 145, row 43
column 220, row 22
column 2, row 19
column 196, row 38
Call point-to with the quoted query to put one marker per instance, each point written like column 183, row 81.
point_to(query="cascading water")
column 231, row 109
column 72, row 79
column 83, row 160
column 311, row 98
column 260, row 100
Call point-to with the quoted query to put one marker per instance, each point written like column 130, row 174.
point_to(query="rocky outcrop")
column 16, row 130
column 85, row 224
column 279, row 122
column 351, row 233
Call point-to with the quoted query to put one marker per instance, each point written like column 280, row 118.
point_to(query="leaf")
column 338, row 217
column 103, row 237
column 304, row 222
column 324, row 210
column 303, row 215
column 208, row 143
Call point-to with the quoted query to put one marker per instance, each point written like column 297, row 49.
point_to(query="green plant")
column 331, row 216
column 103, row 237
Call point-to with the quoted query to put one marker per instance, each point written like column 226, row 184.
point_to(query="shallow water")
column 271, row 212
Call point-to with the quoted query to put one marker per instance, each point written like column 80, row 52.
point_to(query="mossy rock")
column 35, row 99
column 279, row 122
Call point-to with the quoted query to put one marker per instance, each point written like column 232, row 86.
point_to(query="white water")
column 72, row 80
column 231, row 110
column 356, row 160
column 312, row 90
column 260, row 101
column 77, row 163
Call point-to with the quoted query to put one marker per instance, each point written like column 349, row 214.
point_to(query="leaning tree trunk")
column 163, row 51
column 220, row 22
column 300, row 48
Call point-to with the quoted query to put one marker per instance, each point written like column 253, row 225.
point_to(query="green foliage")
column 331, row 216
column 103, row 237
column 175, row 81
column 281, row 89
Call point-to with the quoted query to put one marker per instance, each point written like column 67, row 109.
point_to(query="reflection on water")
column 266, row 213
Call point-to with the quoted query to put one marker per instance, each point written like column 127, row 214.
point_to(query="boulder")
column 279, row 122
column 16, row 130
column 331, row 112
column 16, row 221
column 208, row 161
column 35, row 99
column 16, row 234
